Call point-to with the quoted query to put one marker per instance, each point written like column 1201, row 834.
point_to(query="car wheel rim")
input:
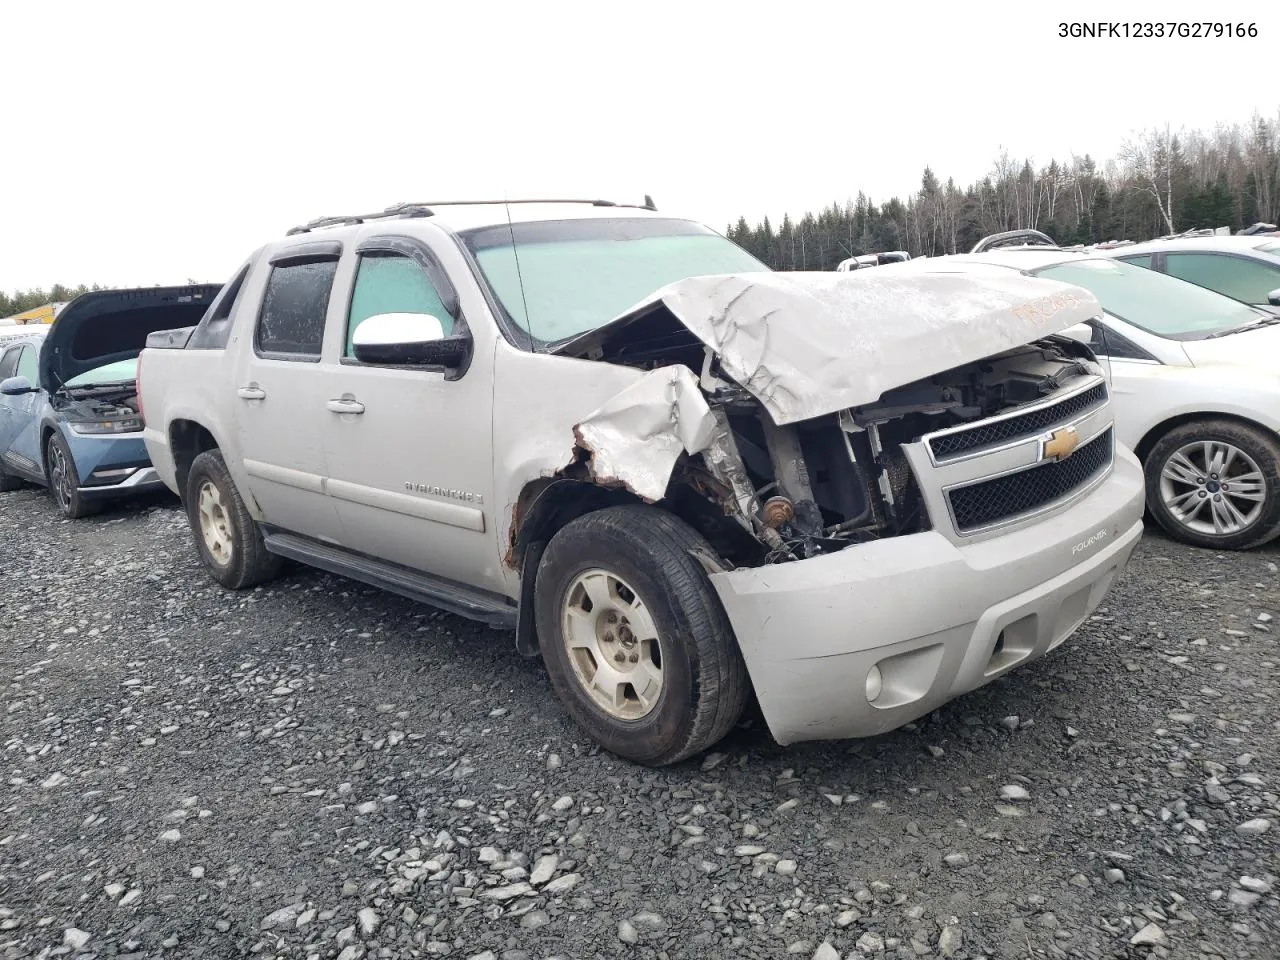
column 1213, row 488
column 215, row 525
column 59, row 476
column 612, row 644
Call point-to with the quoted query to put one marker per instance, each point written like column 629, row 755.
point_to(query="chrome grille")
column 986, row 502
column 950, row 446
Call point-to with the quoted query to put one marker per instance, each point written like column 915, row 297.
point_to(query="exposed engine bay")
column 791, row 492
column 97, row 404
column 781, row 414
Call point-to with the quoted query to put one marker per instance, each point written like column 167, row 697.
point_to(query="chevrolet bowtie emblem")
column 1060, row 444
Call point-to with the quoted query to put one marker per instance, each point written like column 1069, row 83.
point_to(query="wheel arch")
column 1154, row 434
column 187, row 440
column 48, row 427
column 548, row 504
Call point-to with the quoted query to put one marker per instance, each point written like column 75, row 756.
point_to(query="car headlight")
column 117, row 425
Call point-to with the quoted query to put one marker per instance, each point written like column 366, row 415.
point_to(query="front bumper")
column 142, row 480
column 924, row 619
column 111, row 466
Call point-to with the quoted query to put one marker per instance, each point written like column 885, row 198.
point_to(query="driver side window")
column 1246, row 280
column 392, row 283
column 27, row 365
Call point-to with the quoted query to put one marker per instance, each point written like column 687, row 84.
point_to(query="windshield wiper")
column 1263, row 322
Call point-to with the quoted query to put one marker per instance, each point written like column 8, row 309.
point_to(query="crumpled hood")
column 807, row 344
column 106, row 326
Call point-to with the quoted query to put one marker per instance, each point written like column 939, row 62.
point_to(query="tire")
column 64, row 480
column 1183, row 492
column 233, row 552
column 639, row 559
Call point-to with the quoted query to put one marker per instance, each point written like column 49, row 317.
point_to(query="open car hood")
column 107, row 326
column 806, row 344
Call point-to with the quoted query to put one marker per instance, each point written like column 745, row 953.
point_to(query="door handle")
column 345, row 405
column 251, row 393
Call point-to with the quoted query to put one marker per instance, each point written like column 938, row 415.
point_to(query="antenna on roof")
column 649, row 204
column 515, row 255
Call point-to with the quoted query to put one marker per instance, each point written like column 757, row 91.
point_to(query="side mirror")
column 1273, row 298
column 409, row 339
column 16, row 386
column 1080, row 331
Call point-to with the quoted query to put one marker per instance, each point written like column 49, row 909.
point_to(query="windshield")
column 580, row 274
column 1155, row 302
column 121, row 371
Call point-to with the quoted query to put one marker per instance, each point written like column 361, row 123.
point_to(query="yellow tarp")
column 43, row 314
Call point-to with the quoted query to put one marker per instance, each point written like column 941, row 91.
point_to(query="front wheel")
column 1216, row 484
column 227, row 537
column 64, row 480
column 636, row 643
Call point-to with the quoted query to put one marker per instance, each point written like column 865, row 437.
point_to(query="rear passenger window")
column 392, row 283
column 291, row 325
column 1138, row 261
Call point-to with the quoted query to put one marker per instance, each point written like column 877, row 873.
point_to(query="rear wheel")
column 636, row 643
column 1216, row 484
column 64, row 480
column 227, row 537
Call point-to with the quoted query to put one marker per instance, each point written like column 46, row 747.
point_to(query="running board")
column 495, row 610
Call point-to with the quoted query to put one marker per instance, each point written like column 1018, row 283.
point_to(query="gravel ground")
column 320, row 770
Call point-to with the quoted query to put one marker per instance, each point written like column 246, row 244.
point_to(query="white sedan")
column 1194, row 384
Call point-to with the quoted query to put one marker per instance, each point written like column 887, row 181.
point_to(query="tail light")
column 137, row 386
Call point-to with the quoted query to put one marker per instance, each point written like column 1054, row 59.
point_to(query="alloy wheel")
column 215, row 524
column 613, row 645
column 60, row 482
column 1213, row 487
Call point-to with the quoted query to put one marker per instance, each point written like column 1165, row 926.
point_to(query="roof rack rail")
column 647, row 205
column 398, row 210
column 425, row 210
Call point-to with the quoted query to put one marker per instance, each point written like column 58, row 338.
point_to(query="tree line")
column 1162, row 181
column 20, row 301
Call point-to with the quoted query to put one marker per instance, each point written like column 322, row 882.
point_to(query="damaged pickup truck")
column 683, row 479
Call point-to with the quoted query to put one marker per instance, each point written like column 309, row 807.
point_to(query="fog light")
column 874, row 684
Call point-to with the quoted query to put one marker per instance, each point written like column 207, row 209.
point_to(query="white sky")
column 148, row 143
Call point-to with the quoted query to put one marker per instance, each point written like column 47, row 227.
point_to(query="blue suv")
column 69, row 415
